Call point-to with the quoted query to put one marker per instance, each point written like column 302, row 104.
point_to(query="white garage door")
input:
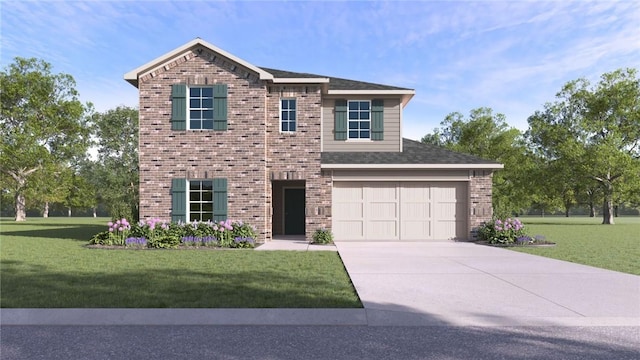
column 399, row 210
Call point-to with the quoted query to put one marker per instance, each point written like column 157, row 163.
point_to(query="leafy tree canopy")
column 42, row 122
column 594, row 132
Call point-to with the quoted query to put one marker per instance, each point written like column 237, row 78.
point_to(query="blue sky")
column 511, row 56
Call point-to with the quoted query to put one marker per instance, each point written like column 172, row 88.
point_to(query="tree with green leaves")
column 594, row 131
column 51, row 184
column 116, row 171
column 81, row 195
column 486, row 134
column 42, row 122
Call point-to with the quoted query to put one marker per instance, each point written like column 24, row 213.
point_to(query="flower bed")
column 159, row 234
column 509, row 232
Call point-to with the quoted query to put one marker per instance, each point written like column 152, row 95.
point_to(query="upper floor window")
column 359, row 119
column 200, row 108
column 288, row 115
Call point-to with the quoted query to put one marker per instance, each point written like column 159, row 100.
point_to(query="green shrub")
column 500, row 231
column 166, row 241
column 322, row 236
column 120, row 211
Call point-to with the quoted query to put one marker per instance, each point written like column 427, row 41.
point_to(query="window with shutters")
column 287, row 115
column 200, row 200
column 359, row 119
column 201, row 108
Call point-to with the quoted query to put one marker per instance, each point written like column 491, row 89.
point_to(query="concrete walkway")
column 415, row 284
column 446, row 283
column 294, row 243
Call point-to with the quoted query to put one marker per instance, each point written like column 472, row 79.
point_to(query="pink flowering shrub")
column 158, row 233
column 118, row 231
column 502, row 231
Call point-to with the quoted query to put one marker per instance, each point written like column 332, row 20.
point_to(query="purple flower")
column 110, row 229
column 109, row 224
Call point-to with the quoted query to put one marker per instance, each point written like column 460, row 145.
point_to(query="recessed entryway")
column 294, row 205
column 288, row 207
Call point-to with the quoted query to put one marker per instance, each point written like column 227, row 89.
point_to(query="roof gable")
column 134, row 75
column 330, row 85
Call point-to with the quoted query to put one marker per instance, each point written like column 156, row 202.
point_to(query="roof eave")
column 414, row 166
column 133, row 75
column 300, row 80
column 406, row 94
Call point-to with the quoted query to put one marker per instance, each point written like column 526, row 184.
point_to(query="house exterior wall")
column 392, row 131
column 480, row 207
column 252, row 153
column 296, row 156
column 237, row 154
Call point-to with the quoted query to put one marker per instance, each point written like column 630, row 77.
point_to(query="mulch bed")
column 535, row 244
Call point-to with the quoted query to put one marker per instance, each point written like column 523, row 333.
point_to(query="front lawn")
column 44, row 263
column 586, row 241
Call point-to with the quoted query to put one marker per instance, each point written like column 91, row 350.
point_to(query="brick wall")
column 480, row 207
column 237, row 154
column 296, row 156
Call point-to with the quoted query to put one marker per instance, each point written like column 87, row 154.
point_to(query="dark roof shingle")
column 413, row 152
column 334, row 82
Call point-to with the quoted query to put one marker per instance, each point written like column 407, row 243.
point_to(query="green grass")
column 586, row 241
column 44, row 263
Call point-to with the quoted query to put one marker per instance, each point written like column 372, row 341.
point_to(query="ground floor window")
column 200, row 200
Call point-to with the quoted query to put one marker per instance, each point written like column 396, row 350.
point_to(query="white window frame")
column 349, row 138
column 201, row 109
column 295, row 110
column 201, row 201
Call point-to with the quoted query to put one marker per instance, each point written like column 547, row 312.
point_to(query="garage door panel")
column 349, row 210
column 378, row 211
column 415, row 230
column 349, row 230
column 400, row 210
column 382, row 230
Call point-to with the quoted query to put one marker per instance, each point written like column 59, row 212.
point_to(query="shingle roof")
column 334, row 82
column 413, row 152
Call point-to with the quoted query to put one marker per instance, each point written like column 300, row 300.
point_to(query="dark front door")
column 294, row 211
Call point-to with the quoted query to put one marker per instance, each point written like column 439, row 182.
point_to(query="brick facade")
column 237, row 154
column 250, row 154
column 480, row 207
column 296, row 156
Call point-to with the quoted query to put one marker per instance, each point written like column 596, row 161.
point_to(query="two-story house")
column 293, row 152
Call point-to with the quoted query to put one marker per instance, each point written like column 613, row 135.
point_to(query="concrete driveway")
column 410, row 283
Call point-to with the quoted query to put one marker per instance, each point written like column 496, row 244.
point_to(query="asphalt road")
column 318, row 342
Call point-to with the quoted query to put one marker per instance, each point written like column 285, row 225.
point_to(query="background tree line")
column 583, row 149
column 58, row 152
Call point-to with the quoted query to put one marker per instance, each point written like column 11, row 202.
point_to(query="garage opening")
column 414, row 211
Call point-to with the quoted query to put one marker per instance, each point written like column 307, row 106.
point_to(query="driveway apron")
column 465, row 284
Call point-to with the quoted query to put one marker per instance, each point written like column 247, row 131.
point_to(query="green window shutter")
column 178, row 107
column 178, row 200
column 340, row 126
column 220, row 199
column 220, row 107
column 377, row 120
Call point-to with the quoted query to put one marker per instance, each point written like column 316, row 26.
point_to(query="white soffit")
column 413, row 166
